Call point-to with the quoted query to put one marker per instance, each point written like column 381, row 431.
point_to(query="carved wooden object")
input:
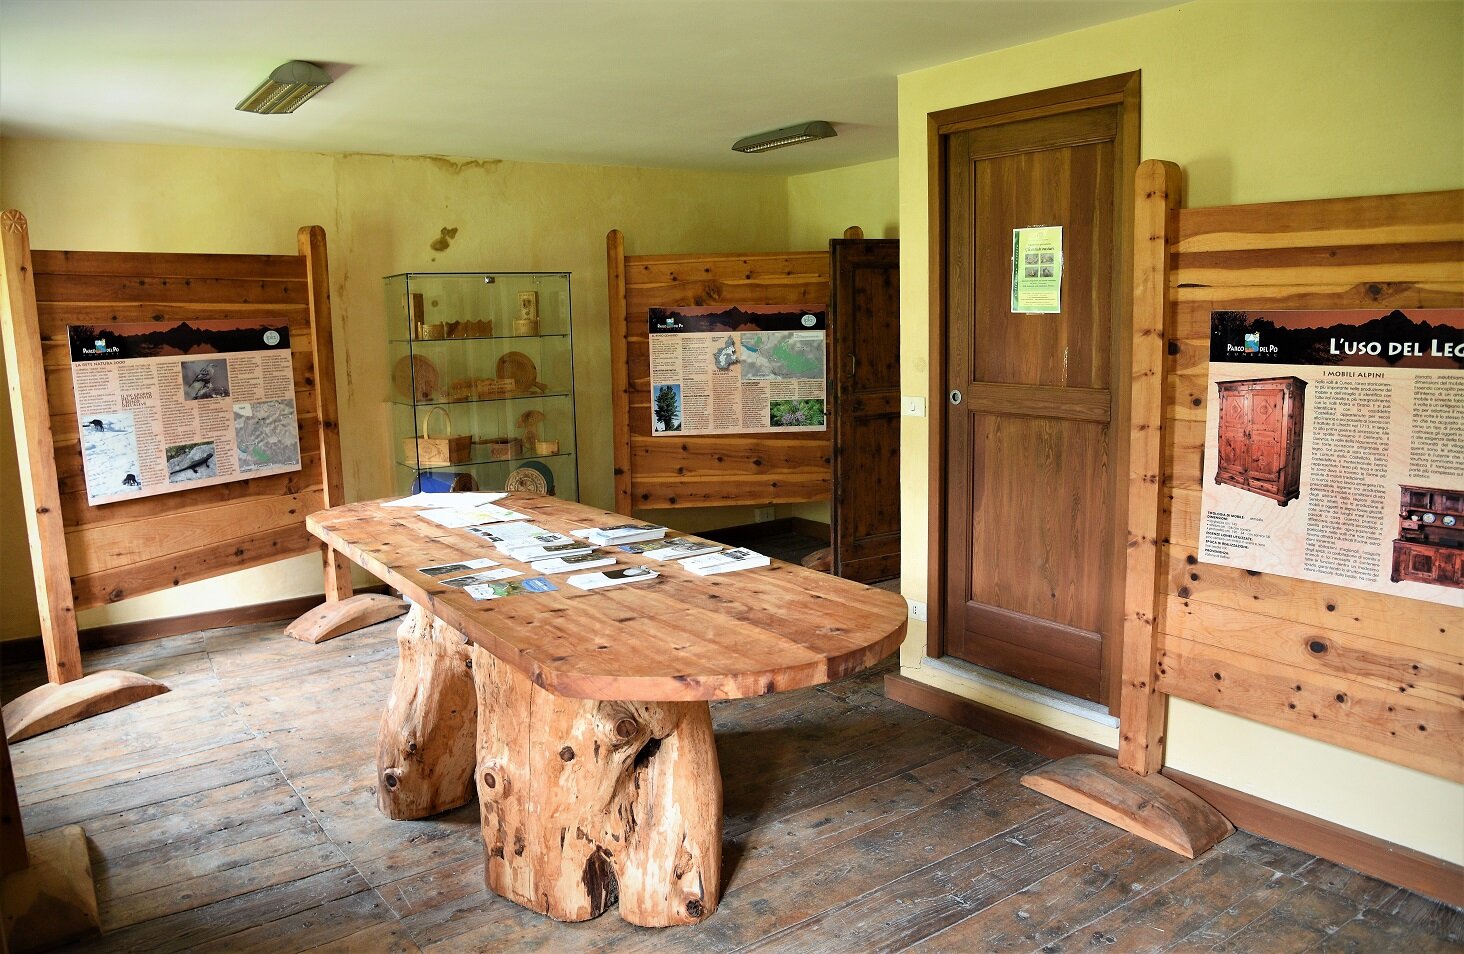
column 338, row 617
column 1150, row 806
column 53, row 705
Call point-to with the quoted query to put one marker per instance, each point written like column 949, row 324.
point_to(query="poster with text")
column 737, row 369
column 1334, row 448
column 1037, row 270
column 166, row 406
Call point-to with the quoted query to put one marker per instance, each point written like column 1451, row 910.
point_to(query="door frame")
column 1123, row 89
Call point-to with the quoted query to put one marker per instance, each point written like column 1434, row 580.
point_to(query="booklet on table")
column 583, row 561
column 624, row 574
column 494, row 591
column 739, row 559
column 451, row 569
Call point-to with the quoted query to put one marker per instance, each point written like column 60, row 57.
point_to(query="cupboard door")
column 1267, row 431
column 1232, row 444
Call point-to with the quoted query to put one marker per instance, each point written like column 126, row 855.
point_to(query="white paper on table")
column 452, row 569
column 454, row 518
column 464, row 500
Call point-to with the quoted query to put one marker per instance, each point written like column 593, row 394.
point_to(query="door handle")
column 955, row 396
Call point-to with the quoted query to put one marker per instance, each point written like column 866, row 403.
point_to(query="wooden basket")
column 437, row 451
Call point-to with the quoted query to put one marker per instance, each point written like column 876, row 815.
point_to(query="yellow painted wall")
column 380, row 213
column 1258, row 101
column 820, row 206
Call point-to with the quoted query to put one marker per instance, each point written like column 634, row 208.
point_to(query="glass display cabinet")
column 482, row 381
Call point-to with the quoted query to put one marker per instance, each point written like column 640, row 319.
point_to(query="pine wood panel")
column 711, row 456
column 263, row 546
column 1413, row 623
column 689, row 471
column 1368, row 671
column 678, row 637
column 1389, row 666
column 182, row 289
column 94, row 549
column 1411, row 730
column 184, row 265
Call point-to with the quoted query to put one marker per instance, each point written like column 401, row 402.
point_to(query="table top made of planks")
column 678, row 637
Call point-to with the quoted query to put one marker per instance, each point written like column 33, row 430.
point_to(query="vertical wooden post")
column 1129, row 792
column 311, row 243
column 32, row 417
column 341, row 613
column 619, row 383
column 1142, row 708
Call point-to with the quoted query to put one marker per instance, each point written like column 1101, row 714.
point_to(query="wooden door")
column 864, row 309
column 1034, row 427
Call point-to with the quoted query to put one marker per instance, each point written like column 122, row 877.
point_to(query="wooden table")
column 581, row 716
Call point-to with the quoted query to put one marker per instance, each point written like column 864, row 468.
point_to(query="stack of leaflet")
column 578, row 561
column 739, row 559
column 671, row 549
column 622, row 533
column 622, row 574
column 525, row 541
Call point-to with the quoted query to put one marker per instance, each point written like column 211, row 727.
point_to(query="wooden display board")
column 84, row 556
column 705, row 471
column 1374, row 673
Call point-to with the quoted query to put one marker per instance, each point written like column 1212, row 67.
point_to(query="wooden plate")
column 533, row 477
column 415, row 369
column 520, row 367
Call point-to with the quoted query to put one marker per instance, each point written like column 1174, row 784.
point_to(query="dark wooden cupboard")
column 1430, row 544
column 1259, row 443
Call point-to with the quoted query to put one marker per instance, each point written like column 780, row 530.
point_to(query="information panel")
column 1334, row 449
column 737, row 370
column 169, row 406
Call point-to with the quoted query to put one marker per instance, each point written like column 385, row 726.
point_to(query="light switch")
column 912, row 406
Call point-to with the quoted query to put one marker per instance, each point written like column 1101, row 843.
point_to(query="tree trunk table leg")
column 587, row 802
column 427, row 745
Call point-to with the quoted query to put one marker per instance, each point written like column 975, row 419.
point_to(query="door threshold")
column 1082, row 708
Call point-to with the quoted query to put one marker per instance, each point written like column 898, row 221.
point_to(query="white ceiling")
column 604, row 82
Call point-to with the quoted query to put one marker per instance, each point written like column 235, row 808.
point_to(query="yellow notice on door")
column 1037, row 270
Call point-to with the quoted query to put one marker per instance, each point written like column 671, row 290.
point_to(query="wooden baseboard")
column 28, row 649
column 1405, row 867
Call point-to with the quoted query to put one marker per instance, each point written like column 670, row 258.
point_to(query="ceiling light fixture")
column 287, row 87
column 789, row 136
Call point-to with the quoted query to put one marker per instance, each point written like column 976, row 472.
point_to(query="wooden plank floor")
column 237, row 813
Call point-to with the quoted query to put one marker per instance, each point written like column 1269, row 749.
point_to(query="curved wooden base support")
column 1150, row 806
column 425, row 753
column 56, row 704
column 54, row 899
column 586, row 802
column 329, row 620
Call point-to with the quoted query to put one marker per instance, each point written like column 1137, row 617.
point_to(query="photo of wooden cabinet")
column 1260, row 433
column 1430, row 543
